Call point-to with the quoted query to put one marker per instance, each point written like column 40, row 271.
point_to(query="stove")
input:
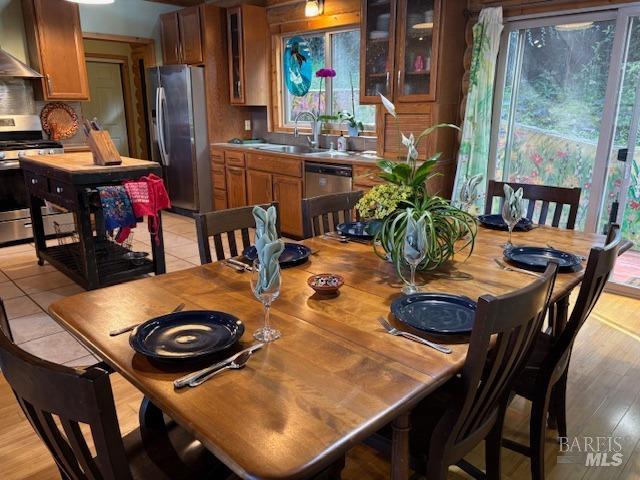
column 21, row 135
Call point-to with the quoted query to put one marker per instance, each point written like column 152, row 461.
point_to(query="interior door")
column 107, row 102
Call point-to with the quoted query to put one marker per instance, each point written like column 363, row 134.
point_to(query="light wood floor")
column 603, row 400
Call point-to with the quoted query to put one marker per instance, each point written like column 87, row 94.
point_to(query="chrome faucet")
column 315, row 127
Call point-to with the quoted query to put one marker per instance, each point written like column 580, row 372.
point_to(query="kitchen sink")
column 295, row 149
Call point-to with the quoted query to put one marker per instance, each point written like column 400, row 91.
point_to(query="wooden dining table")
column 332, row 380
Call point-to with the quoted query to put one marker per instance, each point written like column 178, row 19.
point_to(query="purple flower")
column 326, row 72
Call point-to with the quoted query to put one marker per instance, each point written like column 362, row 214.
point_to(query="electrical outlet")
column 247, row 125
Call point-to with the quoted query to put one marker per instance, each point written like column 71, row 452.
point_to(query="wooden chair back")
column 600, row 264
column 324, row 213
column 4, row 322
column 515, row 320
column 539, row 193
column 226, row 223
column 57, row 400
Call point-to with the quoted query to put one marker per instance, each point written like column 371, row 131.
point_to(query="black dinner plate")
column 356, row 230
column 186, row 335
column 497, row 223
column 292, row 255
column 437, row 313
column 537, row 258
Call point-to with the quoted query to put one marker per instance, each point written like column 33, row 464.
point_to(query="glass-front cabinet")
column 234, row 18
column 399, row 42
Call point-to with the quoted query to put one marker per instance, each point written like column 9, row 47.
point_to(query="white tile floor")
column 28, row 289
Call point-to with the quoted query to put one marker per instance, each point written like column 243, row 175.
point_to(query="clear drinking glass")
column 266, row 333
column 511, row 222
column 414, row 252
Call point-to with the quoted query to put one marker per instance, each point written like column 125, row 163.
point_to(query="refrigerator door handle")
column 161, row 102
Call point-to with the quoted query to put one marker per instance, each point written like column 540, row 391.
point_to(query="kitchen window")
column 339, row 50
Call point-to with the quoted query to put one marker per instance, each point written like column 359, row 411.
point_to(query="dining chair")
column 543, row 380
column 316, row 212
column 471, row 406
column 59, row 401
column 4, row 322
column 226, row 222
column 559, row 196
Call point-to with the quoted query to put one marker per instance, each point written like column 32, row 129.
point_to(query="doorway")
column 566, row 113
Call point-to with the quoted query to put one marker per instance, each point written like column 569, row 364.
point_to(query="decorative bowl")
column 136, row 258
column 326, row 283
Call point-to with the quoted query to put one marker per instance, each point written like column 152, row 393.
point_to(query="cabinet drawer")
column 217, row 171
column 366, row 176
column 217, row 156
column 36, row 183
column 63, row 191
column 279, row 165
column 234, row 158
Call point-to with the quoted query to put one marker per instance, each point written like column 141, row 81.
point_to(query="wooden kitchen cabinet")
column 181, row 36
column 56, row 50
column 248, row 40
column 288, row 191
column 219, row 199
column 259, row 187
column 236, row 187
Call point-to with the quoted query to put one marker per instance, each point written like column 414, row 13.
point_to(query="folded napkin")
column 469, row 190
column 269, row 248
column 513, row 208
column 415, row 238
column 117, row 211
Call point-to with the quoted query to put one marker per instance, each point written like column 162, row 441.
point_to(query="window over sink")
column 339, row 50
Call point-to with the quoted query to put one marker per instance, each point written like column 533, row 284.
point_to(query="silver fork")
column 399, row 333
column 237, row 364
column 509, row 268
column 120, row 331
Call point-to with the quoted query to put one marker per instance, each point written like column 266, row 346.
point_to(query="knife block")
column 102, row 147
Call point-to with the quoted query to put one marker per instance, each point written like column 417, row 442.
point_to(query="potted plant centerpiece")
column 448, row 229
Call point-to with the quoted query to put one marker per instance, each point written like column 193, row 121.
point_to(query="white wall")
column 137, row 18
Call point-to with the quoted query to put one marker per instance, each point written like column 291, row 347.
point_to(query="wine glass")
column 414, row 251
column 266, row 333
column 511, row 219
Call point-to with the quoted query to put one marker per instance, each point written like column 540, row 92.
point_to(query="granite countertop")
column 352, row 158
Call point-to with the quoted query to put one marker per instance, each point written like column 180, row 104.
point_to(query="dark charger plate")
column 293, row 254
column 187, row 335
column 437, row 313
column 537, row 258
column 497, row 223
column 356, row 230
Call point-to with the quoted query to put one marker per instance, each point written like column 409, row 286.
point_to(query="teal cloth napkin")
column 415, row 238
column 269, row 248
column 513, row 208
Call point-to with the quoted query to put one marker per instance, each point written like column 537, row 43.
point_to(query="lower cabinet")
column 236, row 187
column 219, row 199
column 288, row 191
column 259, row 187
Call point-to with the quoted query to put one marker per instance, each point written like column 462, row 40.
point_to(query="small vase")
column 352, row 131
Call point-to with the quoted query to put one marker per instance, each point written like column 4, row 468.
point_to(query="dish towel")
column 512, row 208
column 269, row 247
column 117, row 211
column 148, row 196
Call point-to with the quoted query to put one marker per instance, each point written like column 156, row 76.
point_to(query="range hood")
column 10, row 66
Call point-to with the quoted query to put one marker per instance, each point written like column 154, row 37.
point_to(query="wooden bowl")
column 325, row 283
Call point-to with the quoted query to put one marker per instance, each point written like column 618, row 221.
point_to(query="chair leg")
column 537, row 430
column 559, row 404
column 492, row 447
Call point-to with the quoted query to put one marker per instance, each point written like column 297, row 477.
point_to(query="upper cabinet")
column 399, row 41
column 248, row 41
column 56, row 50
column 182, row 37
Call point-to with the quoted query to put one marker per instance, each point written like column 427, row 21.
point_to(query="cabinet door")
column 416, row 50
column 377, row 40
column 190, row 37
column 259, row 187
column 170, row 33
column 236, row 60
column 288, row 192
column 61, row 51
column 236, row 187
column 219, row 199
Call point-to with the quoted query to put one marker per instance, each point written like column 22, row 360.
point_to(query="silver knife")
column 184, row 381
column 238, row 263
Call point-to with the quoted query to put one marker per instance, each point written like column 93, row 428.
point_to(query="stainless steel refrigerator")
column 178, row 126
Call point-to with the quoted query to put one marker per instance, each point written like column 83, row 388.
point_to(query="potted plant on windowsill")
column 353, row 126
column 404, row 194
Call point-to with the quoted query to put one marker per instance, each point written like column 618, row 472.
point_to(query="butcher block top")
column 78, row 168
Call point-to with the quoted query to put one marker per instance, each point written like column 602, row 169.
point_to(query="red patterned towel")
column 148, row 196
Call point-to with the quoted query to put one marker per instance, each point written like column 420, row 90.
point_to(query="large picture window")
column 339, row 50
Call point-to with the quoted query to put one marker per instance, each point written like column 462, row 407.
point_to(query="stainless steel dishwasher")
column 325, row 178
